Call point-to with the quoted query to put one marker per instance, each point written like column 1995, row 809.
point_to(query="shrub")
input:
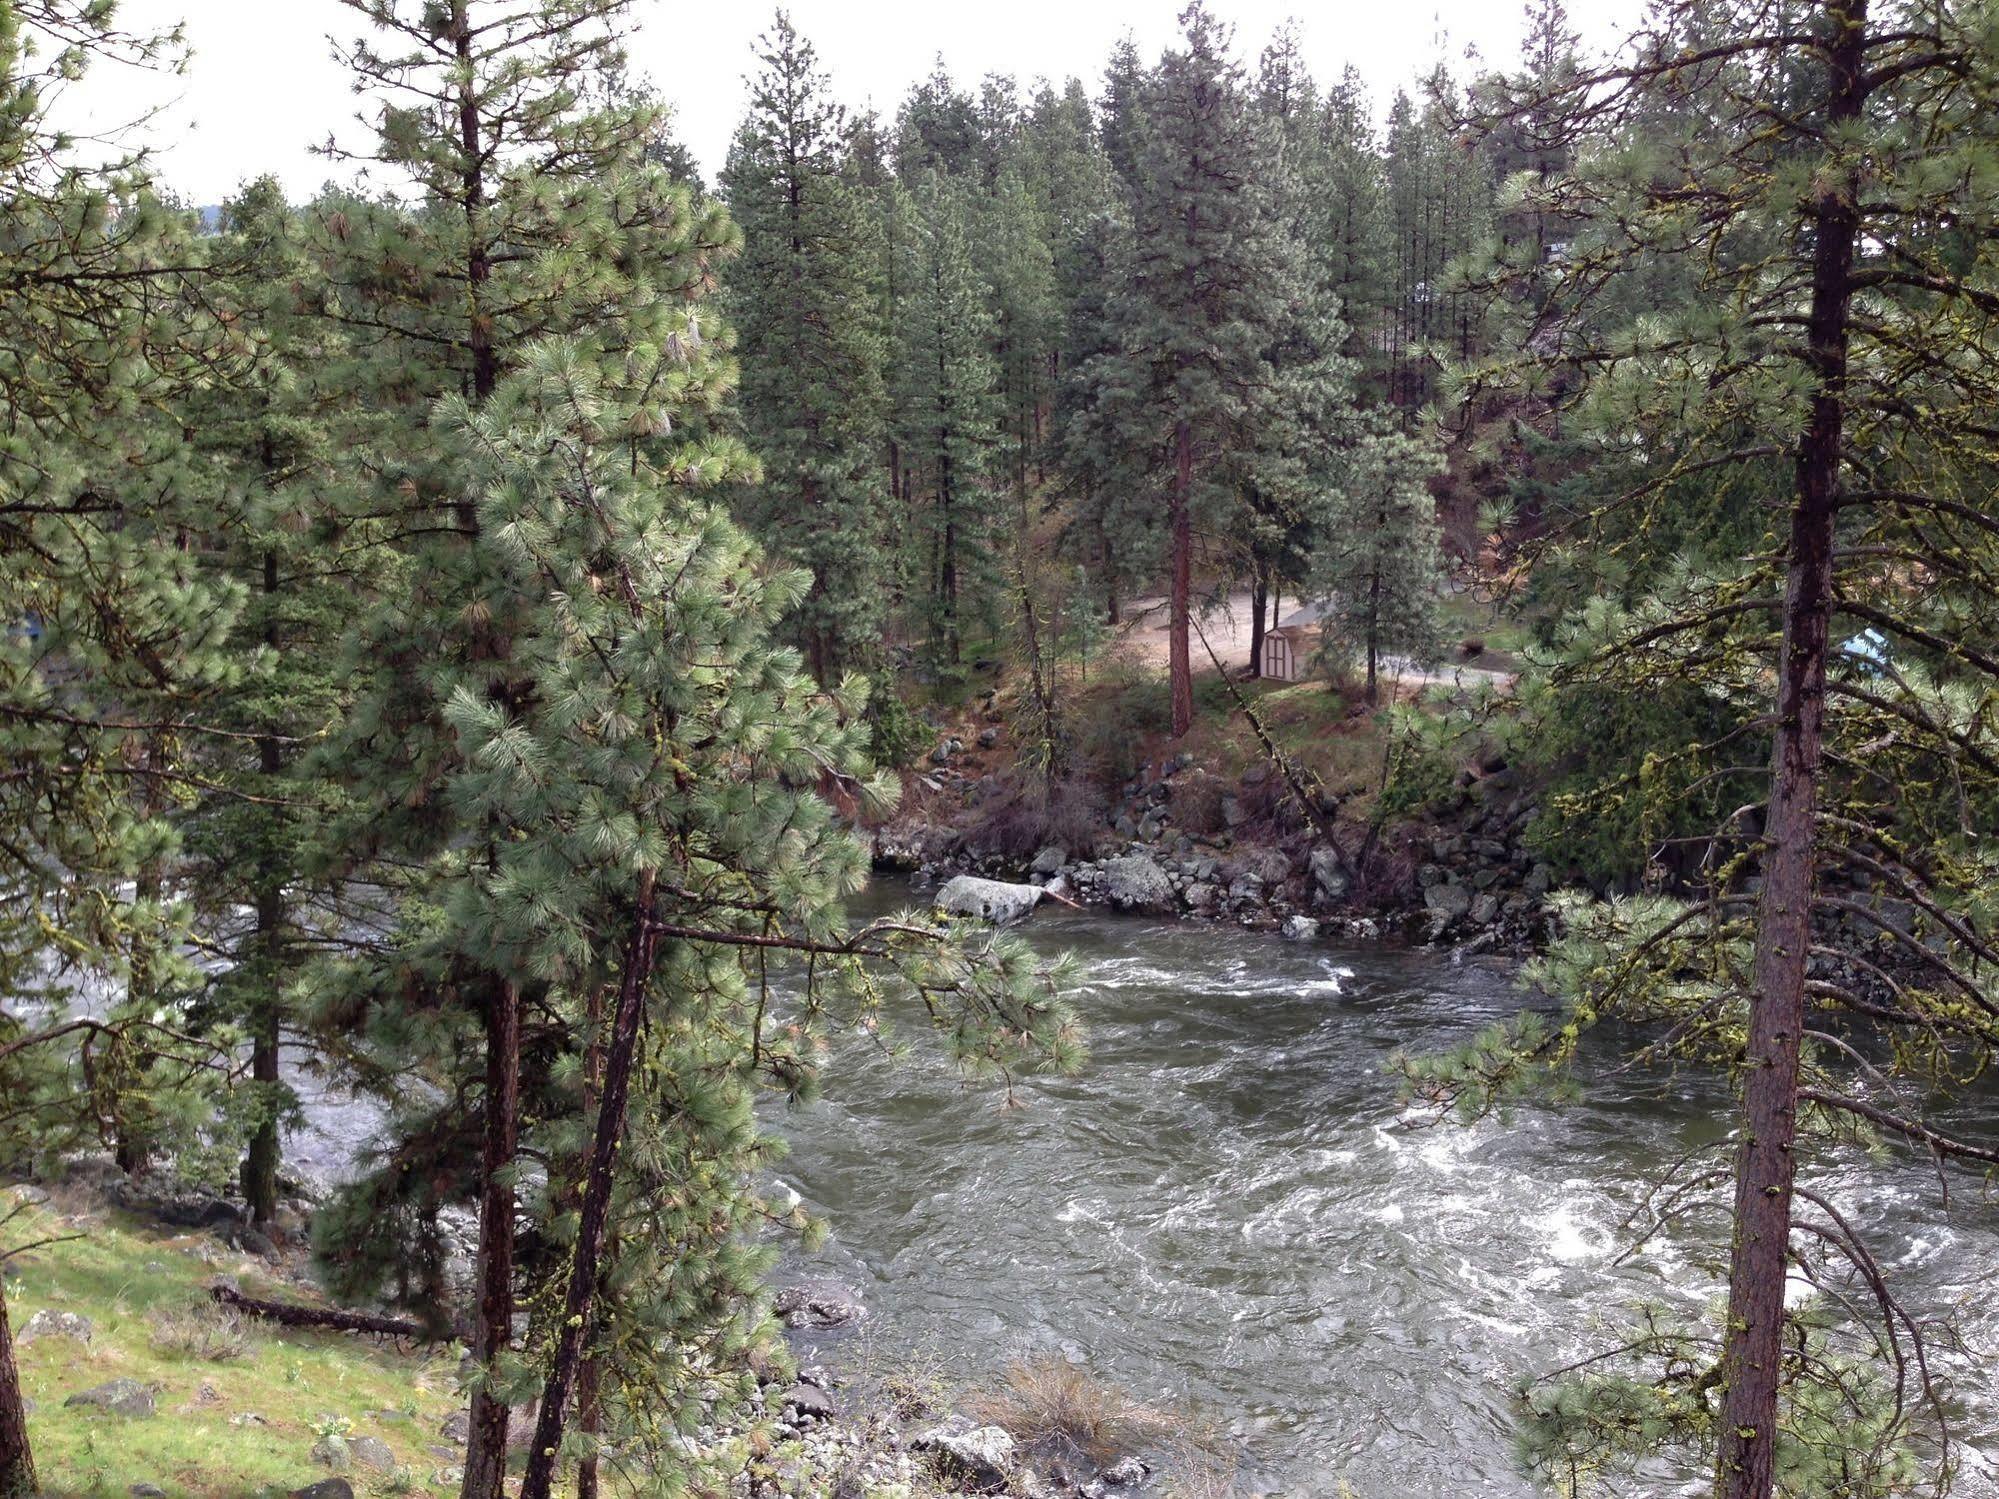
column 211, row 1334
column 1027, row 812
column 898, row 735
column 1050, row 1402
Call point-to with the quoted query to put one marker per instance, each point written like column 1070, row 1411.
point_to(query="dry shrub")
column 1197, row 803
column 211, row 1334
column 1025, row 813
column 1193, row 1471
column 1047, row 1402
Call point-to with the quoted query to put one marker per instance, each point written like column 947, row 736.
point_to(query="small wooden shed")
column 1287, row 645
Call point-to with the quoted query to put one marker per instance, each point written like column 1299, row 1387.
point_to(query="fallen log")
column 296, row 1314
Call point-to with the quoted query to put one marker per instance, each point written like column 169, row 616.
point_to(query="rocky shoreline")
column 1183, row 843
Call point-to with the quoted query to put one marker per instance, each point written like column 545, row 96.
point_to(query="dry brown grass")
column 1048, row 1401
column 207, row 1333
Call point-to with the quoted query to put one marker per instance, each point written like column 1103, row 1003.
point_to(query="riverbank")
column 142, row 1383
column 1184, row 837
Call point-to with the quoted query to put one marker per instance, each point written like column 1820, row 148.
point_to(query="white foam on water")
column 1565, row 1235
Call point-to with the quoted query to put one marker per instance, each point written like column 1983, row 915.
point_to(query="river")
column 1229, row 1209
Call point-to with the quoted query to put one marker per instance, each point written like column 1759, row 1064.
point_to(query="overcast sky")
column 262, row 88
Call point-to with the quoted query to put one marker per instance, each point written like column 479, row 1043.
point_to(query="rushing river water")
column 1228, row 1209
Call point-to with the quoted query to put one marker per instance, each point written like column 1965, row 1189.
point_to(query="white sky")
column 262, row 87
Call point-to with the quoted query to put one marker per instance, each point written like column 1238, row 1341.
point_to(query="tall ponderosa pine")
column 948, row 410
column 540, row 213
column 1821, row 187
column 278, row 531
column 1188, row 374
column 802, row 299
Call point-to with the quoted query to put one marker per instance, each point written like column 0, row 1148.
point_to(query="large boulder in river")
column 818, row 1303
column 1137, row 883
column 988, row 900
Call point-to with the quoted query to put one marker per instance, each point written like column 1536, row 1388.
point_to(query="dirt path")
column 1144, row 638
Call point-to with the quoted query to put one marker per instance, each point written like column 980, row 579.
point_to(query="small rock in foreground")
column 49, row 1323
column 983, row 1455
column 122, row 1397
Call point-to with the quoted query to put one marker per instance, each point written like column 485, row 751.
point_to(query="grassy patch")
column 238, row 1408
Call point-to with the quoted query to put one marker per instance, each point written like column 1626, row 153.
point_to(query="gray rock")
column 122, row 1397
column 818, row 1303
column 1200, row 896
column 49, row 1323
column 457, row 1427
column 1233, row 814
column 1301, row 929
column 1329, row 875
column 988, row 900
column 1269, row 865
column 1484, row 910
column 194, row 1210
column 1050, row 860
column 1449, row 902
column 326, row 1488
column 1125, row 1473
column 1540, row 880
column 147, row 1491
column 333, row 1452
column 1136, row 882
column 980, row 1454
column 1149, row 828
column 988, row 737
column 807, row 1402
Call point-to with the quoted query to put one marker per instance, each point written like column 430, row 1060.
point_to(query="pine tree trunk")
column 1766, row 1166
column 589, row 1411
column 1374, row 631
column 1105, row 565
column 1180, row 663
column 947, row 582
column 260, row 1160
column 594, row 1215
column 1259, row 601
column 486, row 1448
column 17, row 1460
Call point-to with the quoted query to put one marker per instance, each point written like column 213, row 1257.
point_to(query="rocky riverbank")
column 1181, row 841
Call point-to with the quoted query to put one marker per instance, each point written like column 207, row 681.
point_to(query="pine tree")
column 938, row 129
column 114, row 640
column 947, row 405
column 1203, row 300
column 540, row 214
column 802, row 299
column 1375, row 565
column 274, row 532
column 1815, row 188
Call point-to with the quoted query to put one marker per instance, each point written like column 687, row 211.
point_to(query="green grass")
column 202, row 1440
